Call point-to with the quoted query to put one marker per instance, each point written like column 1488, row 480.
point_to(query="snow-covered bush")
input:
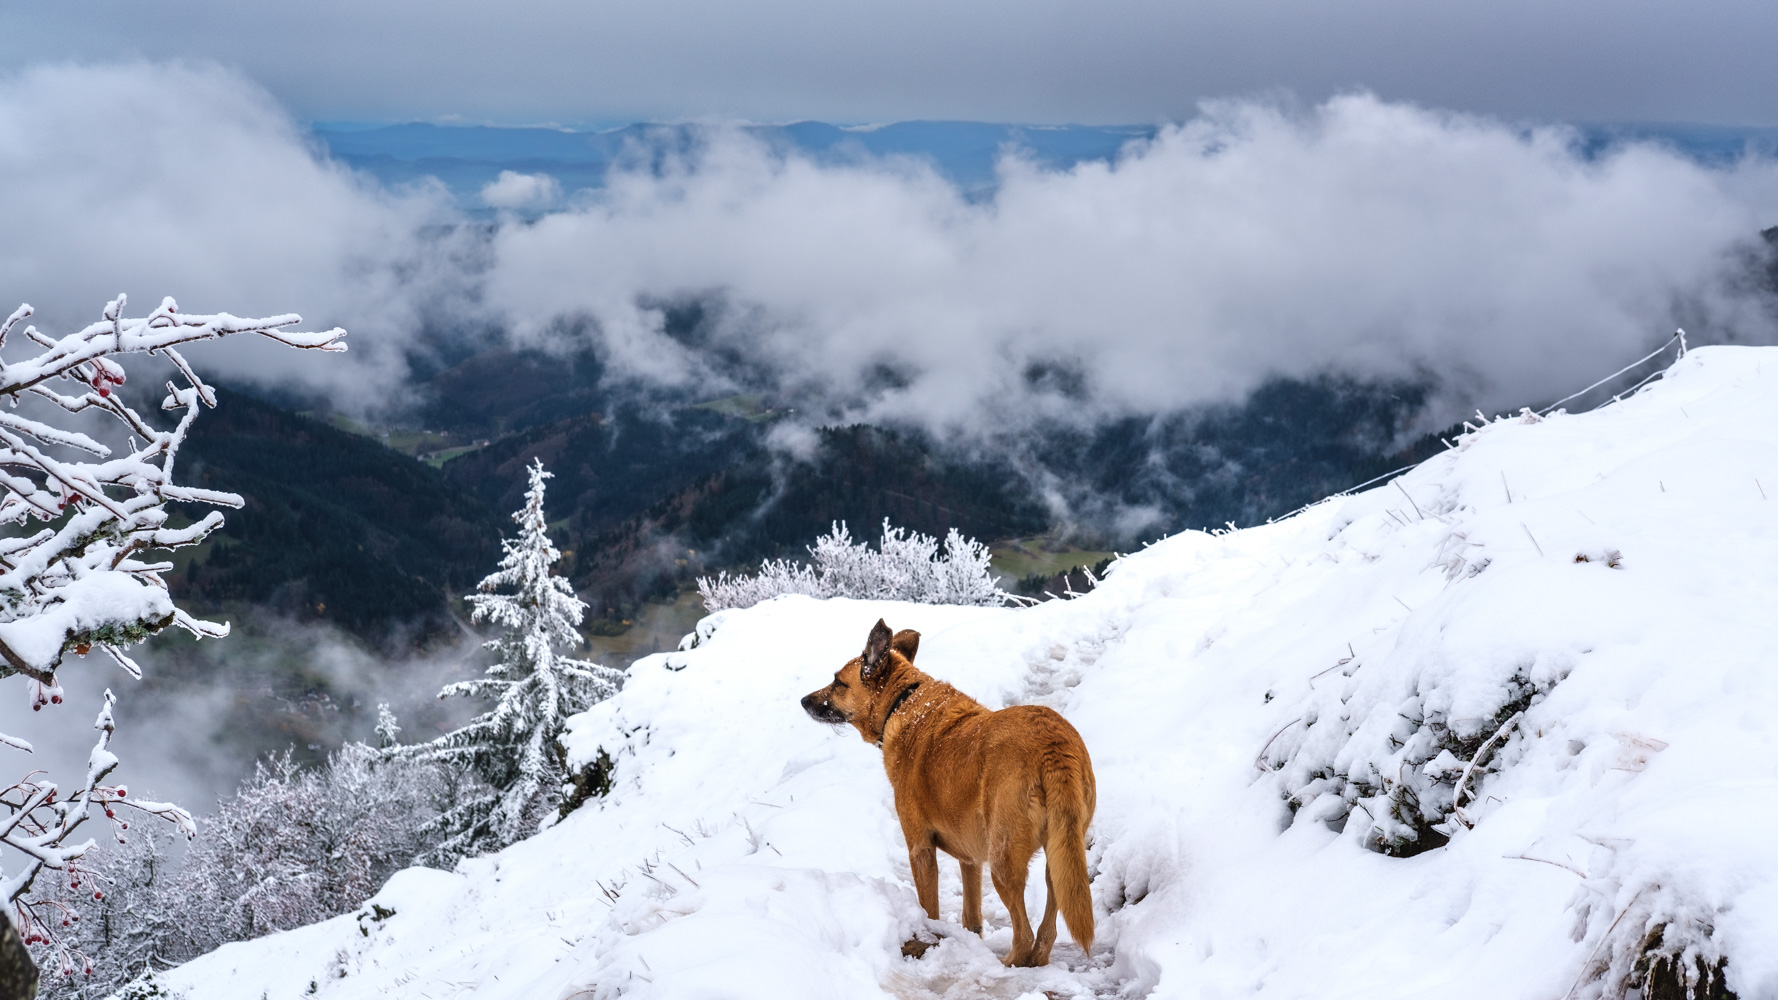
column 905, row 566
column 295, row 846
column 1658, row 938
column 1405, row 750
column 511, row 751
column 148, row 986
column 290, row 847
column 79, row 519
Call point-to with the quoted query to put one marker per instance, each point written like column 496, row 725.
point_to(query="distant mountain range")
column 468, row 157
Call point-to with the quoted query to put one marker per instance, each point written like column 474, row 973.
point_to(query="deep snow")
column 1351, row 656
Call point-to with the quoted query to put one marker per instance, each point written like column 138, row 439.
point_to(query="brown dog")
column 985, row 787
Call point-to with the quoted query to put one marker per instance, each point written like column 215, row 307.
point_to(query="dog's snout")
column 820, row 710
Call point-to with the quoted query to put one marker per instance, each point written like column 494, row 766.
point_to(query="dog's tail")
column 1069, row 794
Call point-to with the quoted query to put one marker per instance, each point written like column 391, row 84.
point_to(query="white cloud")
column 189, row 181
column 1360, row 236
column 516, row 191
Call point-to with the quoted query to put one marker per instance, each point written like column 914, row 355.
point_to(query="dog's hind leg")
column 972, row 895
column 1046, row 931
column 1008, row 872
column 923, row 862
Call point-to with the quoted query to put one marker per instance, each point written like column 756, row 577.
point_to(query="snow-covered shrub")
column 148, row 986
column 905, row 566
column 290, row 847
column 79, row 519
column 1407, row 765
column 1657, row 938
column 510, row 752
column 1400, row 738
column 295, row 846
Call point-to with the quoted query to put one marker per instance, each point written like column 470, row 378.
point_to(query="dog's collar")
column 900, row 699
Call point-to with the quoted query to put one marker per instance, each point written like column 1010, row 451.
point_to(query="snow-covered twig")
column 1547, row 861
column 1588, row 964
column 1259, row 761
column 1469, row 769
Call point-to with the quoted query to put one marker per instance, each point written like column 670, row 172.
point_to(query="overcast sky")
column 1098, row 62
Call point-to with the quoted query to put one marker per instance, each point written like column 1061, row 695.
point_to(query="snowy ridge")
column 1571, row 619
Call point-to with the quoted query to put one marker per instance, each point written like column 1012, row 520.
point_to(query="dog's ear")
column 907, row 643
column 876, row 653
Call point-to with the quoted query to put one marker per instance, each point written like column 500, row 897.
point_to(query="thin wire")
column 1387, row 475
column 1677, row 338
column 1348, row 491
column 1674, row 340
column 1631, row 391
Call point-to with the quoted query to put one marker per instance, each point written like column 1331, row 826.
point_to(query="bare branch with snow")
column 77, row 520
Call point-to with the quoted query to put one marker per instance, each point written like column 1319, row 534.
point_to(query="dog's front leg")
column 923, row 860
column 972, row 895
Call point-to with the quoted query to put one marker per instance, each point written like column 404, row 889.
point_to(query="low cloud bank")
column 1374, row 239
column 1359, row 237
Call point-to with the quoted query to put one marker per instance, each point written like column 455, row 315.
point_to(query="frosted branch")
column 77, row 518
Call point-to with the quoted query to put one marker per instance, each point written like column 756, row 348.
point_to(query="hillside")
column 651, row 491
column 1565, row 621
column 336, row 526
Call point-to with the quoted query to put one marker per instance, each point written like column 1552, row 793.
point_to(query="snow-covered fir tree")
column 388, row 730
column 512, row 748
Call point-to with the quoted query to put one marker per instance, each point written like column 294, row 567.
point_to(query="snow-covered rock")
column 1573, row 620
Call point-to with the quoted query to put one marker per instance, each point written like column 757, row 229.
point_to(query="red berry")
column 55, row 699
column 98, row 895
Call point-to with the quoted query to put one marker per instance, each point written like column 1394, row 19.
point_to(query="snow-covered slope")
column 1279, row 719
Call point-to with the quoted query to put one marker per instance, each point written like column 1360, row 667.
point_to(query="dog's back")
column 1038, row 792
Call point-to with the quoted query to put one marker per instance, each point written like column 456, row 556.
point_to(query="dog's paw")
column 915, row 948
